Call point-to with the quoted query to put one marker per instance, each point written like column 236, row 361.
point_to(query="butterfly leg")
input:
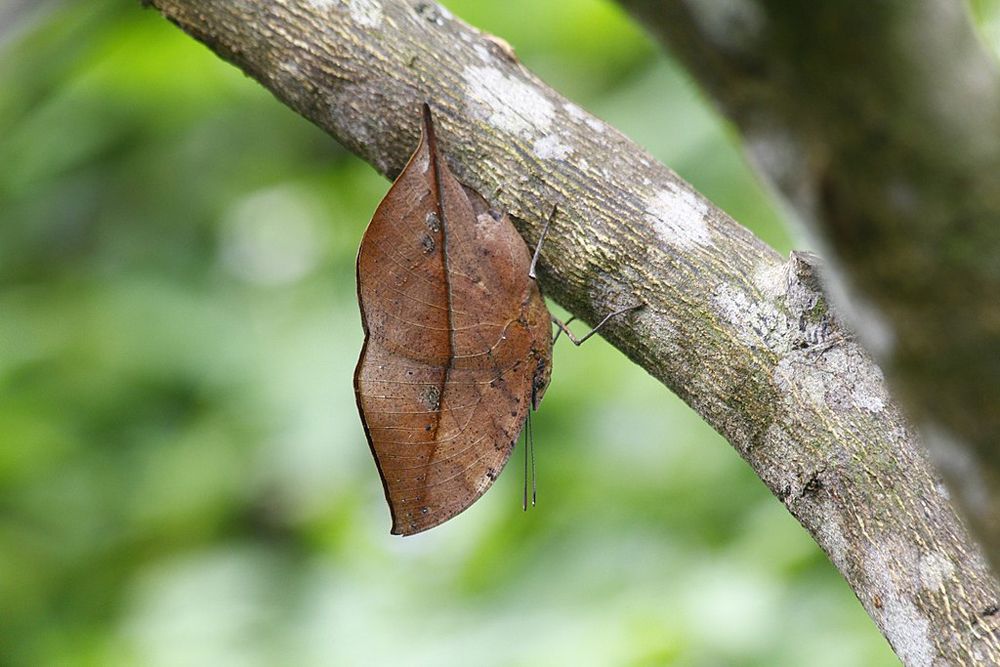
column 555, row 320
column 561, row 326
column 580, row 341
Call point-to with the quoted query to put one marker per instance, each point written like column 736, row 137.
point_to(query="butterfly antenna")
column 524, row 497
column 534, row 475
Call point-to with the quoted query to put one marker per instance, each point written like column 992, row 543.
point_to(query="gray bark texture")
column 880, row 125
column 743, row 335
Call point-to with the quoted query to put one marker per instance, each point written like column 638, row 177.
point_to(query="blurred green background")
column 183, row 475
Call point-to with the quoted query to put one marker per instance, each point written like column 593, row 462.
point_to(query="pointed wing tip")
column 404, row 524
column 398, row 529
column 405, row 529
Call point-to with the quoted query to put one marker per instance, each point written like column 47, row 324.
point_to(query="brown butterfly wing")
column 457, row 343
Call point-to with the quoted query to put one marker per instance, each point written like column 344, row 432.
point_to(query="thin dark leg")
column 541, row 240
column 580, row 341
column 560, row 327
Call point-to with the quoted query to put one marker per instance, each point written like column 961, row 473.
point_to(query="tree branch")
column 741, row 335
column 880, row 123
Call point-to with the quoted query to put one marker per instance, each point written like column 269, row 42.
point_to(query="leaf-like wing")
column 457, row 343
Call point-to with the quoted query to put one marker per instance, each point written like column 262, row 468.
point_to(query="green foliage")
column 183, row 475
column 987, row 16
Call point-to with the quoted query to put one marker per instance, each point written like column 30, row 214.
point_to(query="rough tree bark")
column 745, row 337
column 880, row 124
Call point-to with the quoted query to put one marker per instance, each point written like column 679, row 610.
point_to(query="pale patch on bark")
column 575, row 112
column 507, row 103
column 771, row 280
column 482, row 52
column 678, row 215
column 935, row 569
column 904, row 626
column 581, row 116
column 757, row 323
column 795, row 376
column 363, row 12
column 869, row 397
column 551, row 148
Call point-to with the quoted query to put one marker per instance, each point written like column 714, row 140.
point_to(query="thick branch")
column 741, row 335
column 880, row 122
